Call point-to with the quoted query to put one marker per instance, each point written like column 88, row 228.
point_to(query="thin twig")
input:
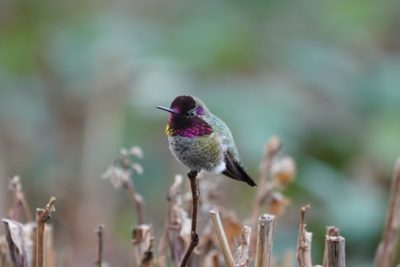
column 100, row 242
column 304, row 242
column 120, row 174
column 50, row 260
column 163, row 245
column 194, row 240
column 42, row 216
column 216, row 222
column 19, row 200
column 136, row 200
column 175, row 219
column 386, row 248
column 265, row 185
column 264, row 240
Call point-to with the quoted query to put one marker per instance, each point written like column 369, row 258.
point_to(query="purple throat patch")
column 199, row 129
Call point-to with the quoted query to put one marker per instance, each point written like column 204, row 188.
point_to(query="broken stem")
column 264, row 189
column 42, row 216
column 336, row 251
column 172, row 226
column 194, row 240
column 330, row 231
column 20, row 200
column 242, row 255
column 384, row 254
column 264, row 240
column 136, row 199
column 99, row 232
column 304, row 242
column 216, row 222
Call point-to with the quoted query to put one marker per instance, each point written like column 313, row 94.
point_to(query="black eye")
column 191, row 112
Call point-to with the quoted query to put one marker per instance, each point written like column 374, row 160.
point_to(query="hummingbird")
column 202, row 141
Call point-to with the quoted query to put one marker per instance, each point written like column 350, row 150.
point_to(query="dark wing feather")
column 235, row 171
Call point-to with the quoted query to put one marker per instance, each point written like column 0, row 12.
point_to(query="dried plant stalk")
column 120, row 174
column 336, row 251
column 33, row 238
column 330, row 231
column 242, row 255
column 304, row 242
column 142, row 240
column 100, row 242
column 19, row 200
column 386, row 248
column 176, row 227
column 194, row 240
column 42, row 216
column 136, row 200
column 264, row 189
column 50, row 259
column 216, row 222
column 264, row 240
column 17, row 251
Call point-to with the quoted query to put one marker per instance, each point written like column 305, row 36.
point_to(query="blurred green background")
column 80, row 79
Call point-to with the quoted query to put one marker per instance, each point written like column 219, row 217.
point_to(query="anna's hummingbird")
column 202, row 141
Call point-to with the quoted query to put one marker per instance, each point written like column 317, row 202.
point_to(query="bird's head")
column 187, row 112
column 186, row 106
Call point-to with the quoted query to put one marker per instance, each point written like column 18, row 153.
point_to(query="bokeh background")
column 80, row 79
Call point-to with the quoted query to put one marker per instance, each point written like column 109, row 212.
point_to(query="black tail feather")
column 235, row 171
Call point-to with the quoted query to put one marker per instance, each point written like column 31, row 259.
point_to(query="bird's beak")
column 168, row 110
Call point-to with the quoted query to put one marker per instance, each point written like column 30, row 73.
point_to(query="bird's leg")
column 194, row 241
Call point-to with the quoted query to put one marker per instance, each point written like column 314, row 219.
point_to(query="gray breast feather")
column 204, row 153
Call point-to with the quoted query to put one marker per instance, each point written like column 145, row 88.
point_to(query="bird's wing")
column 235, row 170
column 233, row 167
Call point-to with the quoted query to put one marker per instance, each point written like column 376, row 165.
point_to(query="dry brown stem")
column 242, row 255
column 19, row 200
column 18, row 252
column 176, row 219
column 384, row 254
column 120, row 173
column 219, row 230
column 100, row 233
column 265, row 184
column 50, row 259
column 264, row 240
column 136, row 200
column 194, row 240
column 330, row 231
column 42, row 216
column 304, row 241
column 142, row 240
column 336, row 251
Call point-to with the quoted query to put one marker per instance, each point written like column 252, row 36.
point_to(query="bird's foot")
column 192, row 174
column 194, row 239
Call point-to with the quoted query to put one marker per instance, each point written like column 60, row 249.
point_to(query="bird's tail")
column 235, row 171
